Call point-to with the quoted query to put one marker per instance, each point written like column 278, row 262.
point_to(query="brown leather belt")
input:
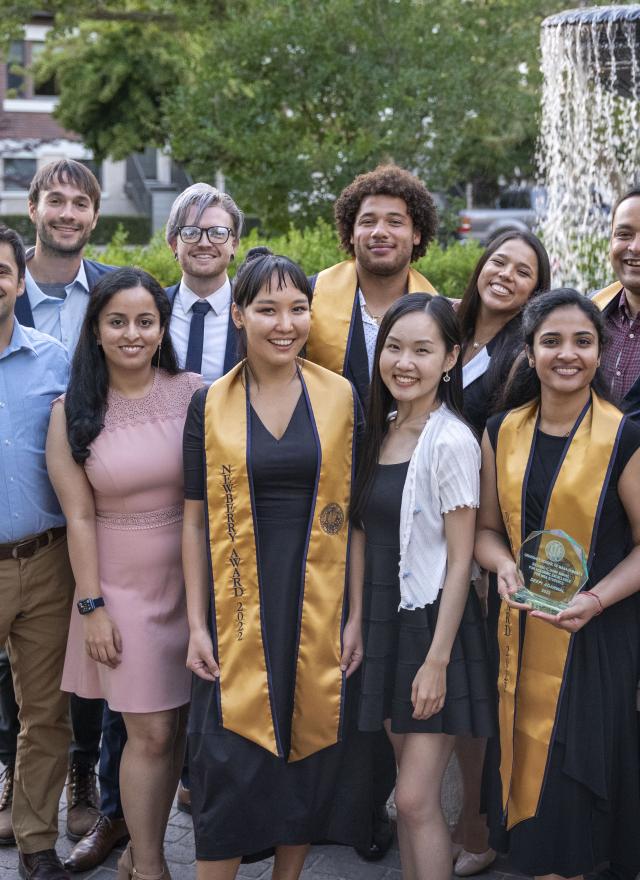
column 26, row 548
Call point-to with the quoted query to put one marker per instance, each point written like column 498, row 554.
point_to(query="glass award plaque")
column 554, row 568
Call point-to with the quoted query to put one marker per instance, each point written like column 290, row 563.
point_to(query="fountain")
column 589, row 148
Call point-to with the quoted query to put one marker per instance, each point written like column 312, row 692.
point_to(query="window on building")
column 18, row 173
column 48, row 87
column 94, row 167
column 16, row 62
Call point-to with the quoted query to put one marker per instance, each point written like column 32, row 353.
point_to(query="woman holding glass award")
column 564, row 460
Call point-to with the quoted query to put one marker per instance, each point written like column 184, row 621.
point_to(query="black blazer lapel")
column 357, row 366
column 231, row 354
column 23, row 311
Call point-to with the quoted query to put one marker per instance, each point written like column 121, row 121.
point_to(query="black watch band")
column 86, row 606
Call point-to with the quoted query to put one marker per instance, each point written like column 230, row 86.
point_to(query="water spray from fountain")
column 589, row 148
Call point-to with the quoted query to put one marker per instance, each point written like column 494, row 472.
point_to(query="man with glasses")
column 203, row 231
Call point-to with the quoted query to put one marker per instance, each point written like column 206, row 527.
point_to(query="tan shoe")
column 95, row 846
column 127, row 871
column 468, row 864
column 183, row 801
column 7, row 837
column 82, row 800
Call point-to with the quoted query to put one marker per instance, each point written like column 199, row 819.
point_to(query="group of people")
column 266, row 533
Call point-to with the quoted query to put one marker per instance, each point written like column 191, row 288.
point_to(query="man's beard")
column 375, row 267
column 57, row 249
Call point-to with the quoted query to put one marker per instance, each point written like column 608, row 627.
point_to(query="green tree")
column 291, row 99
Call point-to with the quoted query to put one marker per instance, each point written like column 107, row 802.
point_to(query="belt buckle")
column 16, row 552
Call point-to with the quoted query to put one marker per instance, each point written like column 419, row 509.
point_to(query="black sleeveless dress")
column 244, row 799
column 397, row 641
column 590, row 806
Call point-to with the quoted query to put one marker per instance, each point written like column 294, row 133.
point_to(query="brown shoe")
column 184, row 799
column 6, row 799
column 82, row 800
column 42, row 865
column 97, row 844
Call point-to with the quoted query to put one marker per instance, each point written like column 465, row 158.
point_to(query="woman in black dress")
column 268, row 458
column 513, row 269
column 425, row 673
column 565, row 459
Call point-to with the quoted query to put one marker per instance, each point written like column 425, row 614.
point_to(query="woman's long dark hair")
column 380, row 398
column 86, row 398
column 469, row 307
column 259, row 269
column 524, row 384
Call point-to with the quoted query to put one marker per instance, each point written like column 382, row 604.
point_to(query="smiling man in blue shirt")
column 36, row 582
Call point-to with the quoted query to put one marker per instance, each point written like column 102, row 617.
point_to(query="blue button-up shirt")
column 60, row 317
column 34, row 370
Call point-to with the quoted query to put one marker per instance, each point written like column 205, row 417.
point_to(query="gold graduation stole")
column 245, row 687
column 332, row 310
column 607, row 295
column 530, row 680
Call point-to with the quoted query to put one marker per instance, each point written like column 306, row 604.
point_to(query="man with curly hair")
column 386, row 220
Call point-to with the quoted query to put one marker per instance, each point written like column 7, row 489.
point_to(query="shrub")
column 137, row 227
column 314, row 248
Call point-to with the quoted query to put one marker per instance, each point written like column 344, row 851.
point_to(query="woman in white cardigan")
column 425, row 674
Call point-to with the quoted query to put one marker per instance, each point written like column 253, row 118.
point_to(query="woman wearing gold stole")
column 565, row 459
column 269, row 454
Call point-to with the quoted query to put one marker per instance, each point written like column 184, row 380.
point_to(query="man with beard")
column 385, row 220
column 64, row 202
column 203, row 231
column 621, row 305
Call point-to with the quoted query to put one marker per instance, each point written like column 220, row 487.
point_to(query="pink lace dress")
column 135, row 470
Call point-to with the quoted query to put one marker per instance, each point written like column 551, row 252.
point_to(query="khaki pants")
column 35, row 604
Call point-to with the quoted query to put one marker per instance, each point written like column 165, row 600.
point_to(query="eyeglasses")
column 215, row 234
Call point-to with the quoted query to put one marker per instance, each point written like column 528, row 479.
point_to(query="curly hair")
column 388, row 180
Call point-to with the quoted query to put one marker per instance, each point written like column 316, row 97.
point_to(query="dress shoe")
column 456, row 850
column 82, row 800
column 468, row 864
column 93, row 849
column 42, row 865
column 6, row 799
column 381, row 837
column 127, row 871
column 184, row 799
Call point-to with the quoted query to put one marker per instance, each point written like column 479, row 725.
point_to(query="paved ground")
column 323, row 862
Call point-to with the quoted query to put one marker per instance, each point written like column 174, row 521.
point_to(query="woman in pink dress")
column 114, row 454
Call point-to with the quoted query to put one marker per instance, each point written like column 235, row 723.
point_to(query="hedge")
column 137, row 227
column 314, row 248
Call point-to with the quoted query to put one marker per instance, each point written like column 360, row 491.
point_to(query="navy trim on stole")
column 356, row 368
column 231, row 352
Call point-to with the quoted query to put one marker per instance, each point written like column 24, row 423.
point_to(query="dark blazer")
column 630, row 404
column 231, row 351
column 357, row 363
column 94, row 272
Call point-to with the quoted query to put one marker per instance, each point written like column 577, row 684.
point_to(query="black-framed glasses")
column 215, row 234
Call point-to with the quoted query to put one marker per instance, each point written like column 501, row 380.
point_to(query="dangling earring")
column 532, row 364
column 159, row 350
column 446, row 377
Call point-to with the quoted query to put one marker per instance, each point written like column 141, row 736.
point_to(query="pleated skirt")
column 396, row 645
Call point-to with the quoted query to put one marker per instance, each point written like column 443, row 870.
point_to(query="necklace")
column 376, row 318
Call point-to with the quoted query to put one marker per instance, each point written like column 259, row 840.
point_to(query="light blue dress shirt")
column 34, row 370
column 60, row 317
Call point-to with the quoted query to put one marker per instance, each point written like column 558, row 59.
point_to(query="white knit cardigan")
column 443, row 474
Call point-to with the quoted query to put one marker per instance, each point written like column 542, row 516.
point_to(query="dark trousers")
column 114, row 736
column 9, row 725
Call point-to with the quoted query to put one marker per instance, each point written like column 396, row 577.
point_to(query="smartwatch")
column 86, row 606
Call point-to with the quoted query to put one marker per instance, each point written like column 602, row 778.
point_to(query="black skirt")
column 397, row 642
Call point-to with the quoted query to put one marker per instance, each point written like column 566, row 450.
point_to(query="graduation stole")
column 245, row 676
column 332, row 310
column 607, row 295
column 532, row 670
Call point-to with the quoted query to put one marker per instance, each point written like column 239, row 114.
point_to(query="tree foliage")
column 291, row 99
